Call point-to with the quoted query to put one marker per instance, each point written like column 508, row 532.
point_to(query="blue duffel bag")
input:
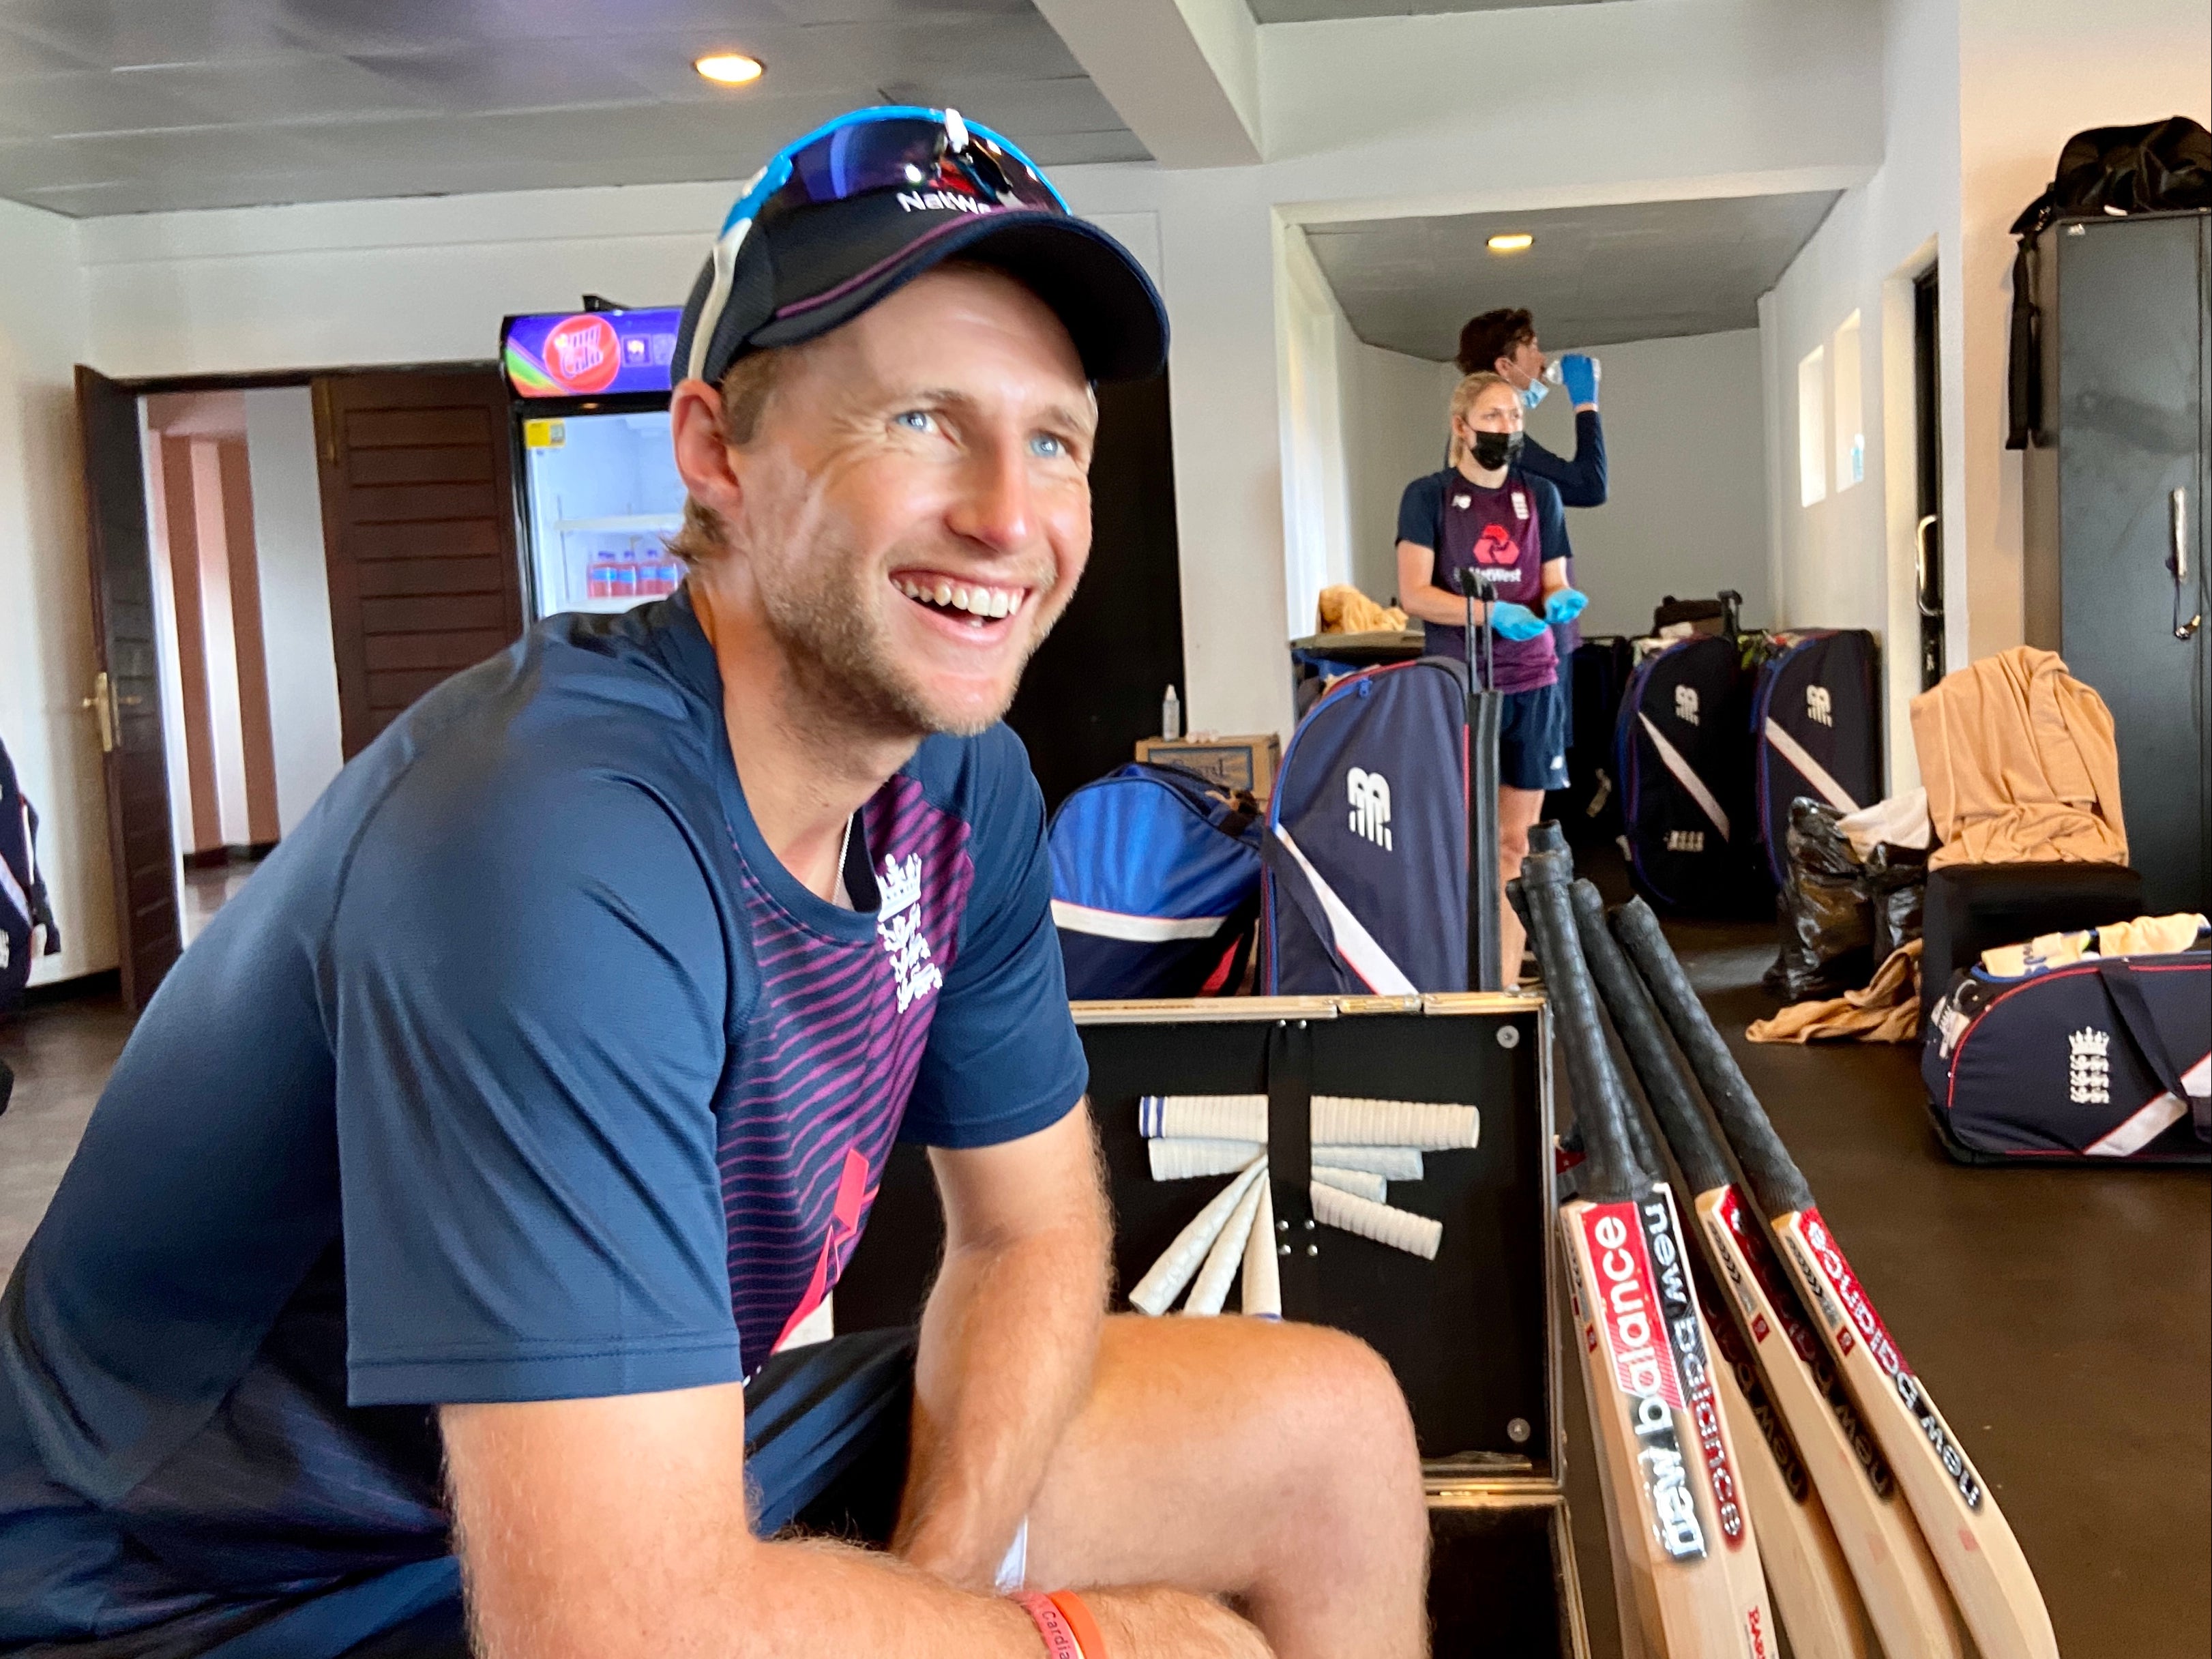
column 1154, row 885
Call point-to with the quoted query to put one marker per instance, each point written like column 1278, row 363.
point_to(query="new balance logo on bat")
column 1370, row 795
column 1819, row 706
column 1685, row 703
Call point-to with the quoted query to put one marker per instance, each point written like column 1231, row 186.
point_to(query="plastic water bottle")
column 1170, row 715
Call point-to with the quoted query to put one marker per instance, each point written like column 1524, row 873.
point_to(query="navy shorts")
column 826, row 1453
column 1532, row 738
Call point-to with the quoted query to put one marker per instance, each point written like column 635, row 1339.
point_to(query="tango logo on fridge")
column 1370, row 795
column 1819, row 707
column 1685, row 703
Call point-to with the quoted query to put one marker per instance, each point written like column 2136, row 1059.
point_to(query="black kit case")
column 1470, row 1334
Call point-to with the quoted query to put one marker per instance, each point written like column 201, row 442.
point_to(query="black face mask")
column 1495, row 449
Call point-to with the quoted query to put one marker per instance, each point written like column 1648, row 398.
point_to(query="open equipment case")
column 1471, row 1334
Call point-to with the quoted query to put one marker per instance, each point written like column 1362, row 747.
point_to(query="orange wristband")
column 1059, row 1637
column 1087, row 1636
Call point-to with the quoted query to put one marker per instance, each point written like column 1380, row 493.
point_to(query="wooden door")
column 125, row 696
column 418, row 529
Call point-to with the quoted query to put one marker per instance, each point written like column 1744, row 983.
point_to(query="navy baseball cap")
column 857, row 209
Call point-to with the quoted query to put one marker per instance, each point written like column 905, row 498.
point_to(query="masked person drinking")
column 1484, row 519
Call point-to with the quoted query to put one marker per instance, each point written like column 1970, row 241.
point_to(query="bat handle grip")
column 1646, row 1038
column 1601, row 1103
column 1776, row 1182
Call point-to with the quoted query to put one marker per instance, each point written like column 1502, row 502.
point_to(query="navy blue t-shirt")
column 521, row 1070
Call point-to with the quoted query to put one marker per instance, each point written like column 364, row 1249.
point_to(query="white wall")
column 45, row 598
column 1686, row 507
column 296, row 598
column 1396, row 414
column 2033, row 73
column 1316, row 346
column 1978, row 96
column 1846, row 560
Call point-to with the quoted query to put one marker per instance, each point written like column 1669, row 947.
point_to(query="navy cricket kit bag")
column 2105, row 1060
column 27, row 925
column 1589, row 808
column 1366, row 850
column 1816, row 729
column 1154, row 885
column 1684, row 766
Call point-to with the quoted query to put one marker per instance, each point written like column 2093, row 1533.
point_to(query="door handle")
column 102, row 704
column 2178, row 503
column 1920, row 567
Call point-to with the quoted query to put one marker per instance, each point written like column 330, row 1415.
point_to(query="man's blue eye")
column 1047, row 445
column 914, row 420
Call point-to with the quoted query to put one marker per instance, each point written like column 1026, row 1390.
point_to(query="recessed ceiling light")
column 730, row 69
column 1516, row 241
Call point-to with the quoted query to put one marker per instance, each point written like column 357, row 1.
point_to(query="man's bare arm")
column 616, row 1528
column 1008, row 1341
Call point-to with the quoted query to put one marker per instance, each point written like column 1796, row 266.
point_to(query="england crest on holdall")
column 2106, row 1059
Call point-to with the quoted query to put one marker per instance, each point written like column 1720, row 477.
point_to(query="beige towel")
column 2020, row 763
column 1886, row 1011
column 1345, row 610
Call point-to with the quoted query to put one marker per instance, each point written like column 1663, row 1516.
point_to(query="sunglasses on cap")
column 902, row 148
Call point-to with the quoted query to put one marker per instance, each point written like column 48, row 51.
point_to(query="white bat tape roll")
column 1399, row 1229
column 1262, row 1293
column 1183, row 1160
column 1391, row 1162
column 1211, row 1289
column 1360, row 1183
column 1155, row 1293
column 1338, row 1119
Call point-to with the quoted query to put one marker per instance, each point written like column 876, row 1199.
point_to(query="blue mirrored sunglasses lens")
column 906, row 154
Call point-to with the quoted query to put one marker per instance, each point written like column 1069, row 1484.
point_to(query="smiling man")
column 439, row 1239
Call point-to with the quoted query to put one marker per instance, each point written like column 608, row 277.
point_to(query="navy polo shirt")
column 521, row 1070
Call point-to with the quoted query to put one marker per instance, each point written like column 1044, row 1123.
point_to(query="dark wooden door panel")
column 135, row 766
column 418, row 521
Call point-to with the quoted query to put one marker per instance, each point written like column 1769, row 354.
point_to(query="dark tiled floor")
column 2062, row 1317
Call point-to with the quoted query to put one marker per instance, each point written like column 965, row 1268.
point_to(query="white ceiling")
column 1308, row 11
column 1595, row 276
column 138, row 106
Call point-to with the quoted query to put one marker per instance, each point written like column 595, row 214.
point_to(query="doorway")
column 280, row 564
column 1928, row 476
column 249, row 693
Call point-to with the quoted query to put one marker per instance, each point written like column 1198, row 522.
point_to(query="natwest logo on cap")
column 583, row 354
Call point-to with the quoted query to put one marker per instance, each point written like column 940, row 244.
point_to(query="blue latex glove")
column 1515, row 621
column 1565, row 606
column 1578, row 374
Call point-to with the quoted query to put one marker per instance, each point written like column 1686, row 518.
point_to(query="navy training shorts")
column 1532, row 738
column 826, row 1453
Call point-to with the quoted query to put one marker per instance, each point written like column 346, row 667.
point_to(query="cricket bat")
column 1896, row 1577
column 1663, row 1429
column 1967, row 1535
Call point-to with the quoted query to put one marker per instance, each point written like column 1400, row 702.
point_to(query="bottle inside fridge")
column 604, row 498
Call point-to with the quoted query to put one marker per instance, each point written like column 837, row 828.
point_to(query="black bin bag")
column 1824, row 910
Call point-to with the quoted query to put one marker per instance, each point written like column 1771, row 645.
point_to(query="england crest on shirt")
column 898, row 925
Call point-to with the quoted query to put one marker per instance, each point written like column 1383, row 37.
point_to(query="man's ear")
column 1503, row 369
column 702, row 457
